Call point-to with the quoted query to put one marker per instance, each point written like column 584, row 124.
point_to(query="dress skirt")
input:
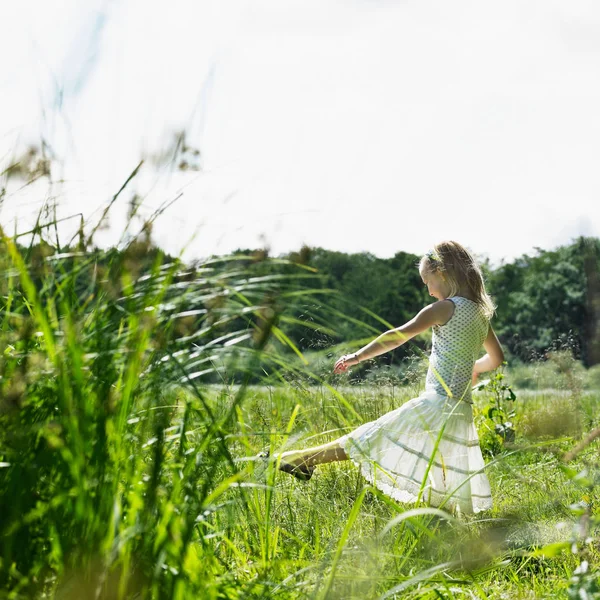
column 425, row 450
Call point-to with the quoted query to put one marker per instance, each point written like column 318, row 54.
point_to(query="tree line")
column 547, row 300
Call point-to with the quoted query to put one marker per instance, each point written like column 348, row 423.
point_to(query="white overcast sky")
column 356, row 125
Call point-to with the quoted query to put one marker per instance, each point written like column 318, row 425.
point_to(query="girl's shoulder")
column 444, row 310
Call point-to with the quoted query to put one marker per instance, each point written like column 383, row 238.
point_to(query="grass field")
column 328, row 538
column 123, row 474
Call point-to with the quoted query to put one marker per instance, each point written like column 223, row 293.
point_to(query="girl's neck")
column 463, row 293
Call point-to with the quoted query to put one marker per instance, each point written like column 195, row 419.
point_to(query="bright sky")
column 356, row 125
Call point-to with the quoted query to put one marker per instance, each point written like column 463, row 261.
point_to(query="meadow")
column 336, row 537
column 134, row 402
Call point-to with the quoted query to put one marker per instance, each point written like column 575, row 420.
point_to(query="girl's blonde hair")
column 460, row 270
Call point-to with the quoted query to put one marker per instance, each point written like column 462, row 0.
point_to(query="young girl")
column 395, row 452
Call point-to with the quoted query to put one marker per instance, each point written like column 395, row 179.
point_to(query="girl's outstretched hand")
column 342, row 364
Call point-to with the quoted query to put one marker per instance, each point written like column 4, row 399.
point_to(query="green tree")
column 544, row 301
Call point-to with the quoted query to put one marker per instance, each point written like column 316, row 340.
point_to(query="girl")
column 428, row 448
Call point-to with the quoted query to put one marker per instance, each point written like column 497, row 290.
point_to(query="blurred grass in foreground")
column 106, row 465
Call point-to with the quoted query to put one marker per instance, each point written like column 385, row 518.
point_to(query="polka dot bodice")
column 455, row 348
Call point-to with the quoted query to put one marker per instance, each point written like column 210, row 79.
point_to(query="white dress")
column 395, row 452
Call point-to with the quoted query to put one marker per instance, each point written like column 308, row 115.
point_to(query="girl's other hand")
column 342, row 364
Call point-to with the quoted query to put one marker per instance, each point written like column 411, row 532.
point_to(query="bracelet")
column 357, row 357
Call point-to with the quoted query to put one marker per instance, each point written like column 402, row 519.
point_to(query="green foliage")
column 585, row 583
column 548, row 303
column 545, row 303
column 106, row 465
column 499, row 413
column 586, row 478
column 560, row 370
column 371, row 294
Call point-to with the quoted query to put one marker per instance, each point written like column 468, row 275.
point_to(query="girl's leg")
column 318, row 455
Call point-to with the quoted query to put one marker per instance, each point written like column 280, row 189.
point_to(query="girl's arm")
column 437, row 313
column 494, row 357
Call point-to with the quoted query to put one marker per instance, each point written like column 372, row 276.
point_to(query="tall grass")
column 130, row 416
column 111, row 457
